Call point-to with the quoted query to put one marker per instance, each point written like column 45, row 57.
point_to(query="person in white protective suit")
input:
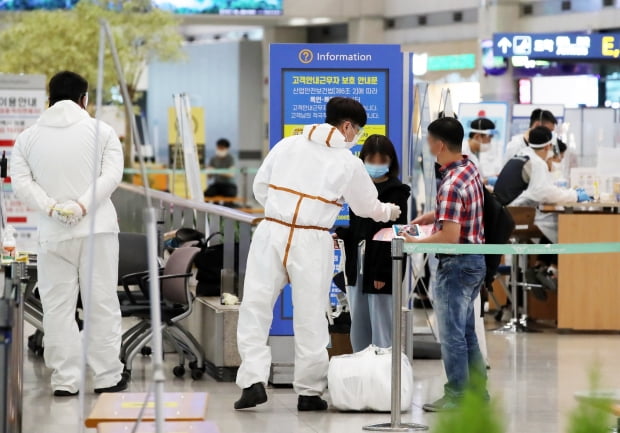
column 526, row 181
column 52, row 168
column 539, row 117
column 302, row 185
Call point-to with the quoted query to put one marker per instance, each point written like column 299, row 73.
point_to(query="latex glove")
column 492, row 180
column 68, row 213
column 394, row 211
column 582, row 195
column 54, row 211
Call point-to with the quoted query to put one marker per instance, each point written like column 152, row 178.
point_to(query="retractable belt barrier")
column 590, row 248
column 400, row 248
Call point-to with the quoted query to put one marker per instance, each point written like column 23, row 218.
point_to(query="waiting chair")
column 177, row 304
column 133, row 297
column 132, row 262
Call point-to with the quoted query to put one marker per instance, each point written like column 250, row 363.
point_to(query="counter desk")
column 589, row 284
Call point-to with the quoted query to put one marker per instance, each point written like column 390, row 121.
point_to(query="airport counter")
column 589, row 284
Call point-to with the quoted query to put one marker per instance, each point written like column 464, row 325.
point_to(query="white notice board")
column 22, row 101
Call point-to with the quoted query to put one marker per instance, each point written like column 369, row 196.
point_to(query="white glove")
column 68, row 213
column 394, row 211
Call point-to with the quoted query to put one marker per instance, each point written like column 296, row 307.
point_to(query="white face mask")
column 221, row 153
column 485, row 147
column 355, row 140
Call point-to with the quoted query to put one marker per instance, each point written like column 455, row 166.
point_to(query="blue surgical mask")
column 377, row 170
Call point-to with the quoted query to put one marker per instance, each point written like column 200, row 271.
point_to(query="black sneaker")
column 252, row 396
column 120, row 386
column 64, row 393
column 307, row 403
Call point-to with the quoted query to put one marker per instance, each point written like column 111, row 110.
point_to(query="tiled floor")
column 533, row 377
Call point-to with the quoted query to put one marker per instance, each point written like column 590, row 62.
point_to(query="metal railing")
column 243, row 175
column 176, row 212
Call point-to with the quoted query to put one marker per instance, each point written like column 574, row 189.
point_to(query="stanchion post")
column 397, row 297
column 14, row 296
column 398, row 256
column 244, row 182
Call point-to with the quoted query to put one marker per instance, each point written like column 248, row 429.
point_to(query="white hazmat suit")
column 514, row 147
column 52, row 162
column 542, row 190
column 302, row 184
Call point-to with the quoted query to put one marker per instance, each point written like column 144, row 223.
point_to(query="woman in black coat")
column 369, row 284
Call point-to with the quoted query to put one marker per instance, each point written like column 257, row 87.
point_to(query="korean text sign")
column 557, row 45
column 303, row 78
column 22, row 101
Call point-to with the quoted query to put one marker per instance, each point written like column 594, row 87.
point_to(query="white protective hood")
column 62, row 115
column 325, row 135
column 52, row 162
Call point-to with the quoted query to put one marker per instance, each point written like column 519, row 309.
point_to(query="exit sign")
column 452, row 62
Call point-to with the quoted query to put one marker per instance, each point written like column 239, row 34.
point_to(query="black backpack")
column 498, row 227
column 209, row 261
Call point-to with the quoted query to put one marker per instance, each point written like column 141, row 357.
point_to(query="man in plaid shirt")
column 458, row 218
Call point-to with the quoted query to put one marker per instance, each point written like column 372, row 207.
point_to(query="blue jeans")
column 459, row 279
column 371, row 318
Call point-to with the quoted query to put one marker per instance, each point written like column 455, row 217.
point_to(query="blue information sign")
column 304, row 77
column 594, row 46
column 282, row 324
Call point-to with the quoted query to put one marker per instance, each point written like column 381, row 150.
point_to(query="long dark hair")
column 380, row 144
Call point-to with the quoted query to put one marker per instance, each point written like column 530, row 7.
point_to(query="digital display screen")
column 28, row 5
column 553, row 90
column 222, row 7
column 213, row 7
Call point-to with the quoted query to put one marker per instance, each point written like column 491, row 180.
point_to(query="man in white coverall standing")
column 52, row 171
column 302, row 184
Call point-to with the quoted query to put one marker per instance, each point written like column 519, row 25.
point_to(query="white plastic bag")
column 362, row 381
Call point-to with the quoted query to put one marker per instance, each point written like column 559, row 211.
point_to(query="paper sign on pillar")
column 22, row 101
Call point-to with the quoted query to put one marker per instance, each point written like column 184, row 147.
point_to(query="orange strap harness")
column 293, row 225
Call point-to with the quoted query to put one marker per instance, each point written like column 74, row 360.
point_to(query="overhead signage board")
column 595, row 46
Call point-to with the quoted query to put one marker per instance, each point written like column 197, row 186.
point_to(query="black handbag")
column 209, row 263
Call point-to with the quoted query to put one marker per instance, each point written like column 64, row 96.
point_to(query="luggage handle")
column 208, row 240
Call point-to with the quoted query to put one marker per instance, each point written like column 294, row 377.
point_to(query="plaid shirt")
column 460, row 199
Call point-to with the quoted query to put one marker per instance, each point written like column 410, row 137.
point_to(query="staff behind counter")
column 526, row 180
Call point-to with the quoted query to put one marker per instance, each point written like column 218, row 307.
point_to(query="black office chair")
column 132, row 263
column 177, row 304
